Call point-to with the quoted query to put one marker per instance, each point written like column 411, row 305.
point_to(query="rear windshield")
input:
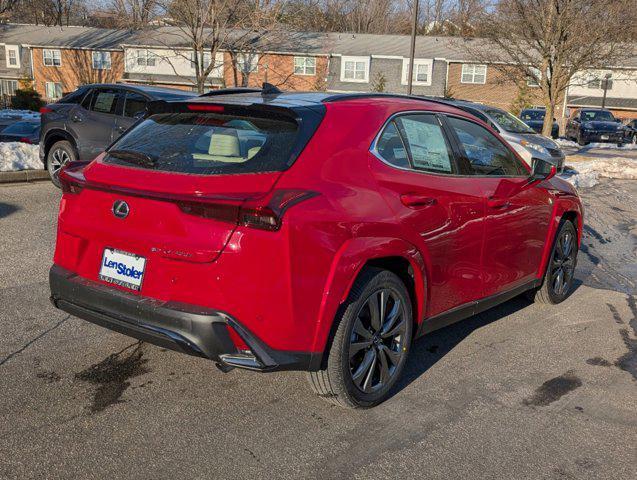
column 532, row 115
column 207, row 144
column 22, row 128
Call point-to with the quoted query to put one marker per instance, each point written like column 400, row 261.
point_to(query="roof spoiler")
column 266, row 89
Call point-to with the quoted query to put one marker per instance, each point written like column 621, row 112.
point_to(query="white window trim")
column 12, row 48
column 52, row 57
column 305, row 59
column 217, row 70
column 417, row 61
column 101, row 54
column 252, row 58
column 473, row 82
column 530, row 80
column 46, row 84
column 147, row 55
column 355, row 59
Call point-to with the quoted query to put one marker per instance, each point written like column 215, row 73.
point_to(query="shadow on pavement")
column 7, row 209
column 429, row 349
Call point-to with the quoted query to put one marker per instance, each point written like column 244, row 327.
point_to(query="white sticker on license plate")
column 122, row 268
column 604, row 137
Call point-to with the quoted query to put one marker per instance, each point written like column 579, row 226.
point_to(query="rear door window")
column 105, row 100
column 208, row 143
column 134, row 104
column 416, row 141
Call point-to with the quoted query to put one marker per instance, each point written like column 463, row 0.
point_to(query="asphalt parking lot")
column 519, row 392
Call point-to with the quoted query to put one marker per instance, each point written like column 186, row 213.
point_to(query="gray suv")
column 82, row 124
column 524, row 140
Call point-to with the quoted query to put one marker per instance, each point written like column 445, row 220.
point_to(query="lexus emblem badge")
column 120, row 209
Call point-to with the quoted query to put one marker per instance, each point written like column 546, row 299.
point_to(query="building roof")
column 611, row 102
column 280, row 41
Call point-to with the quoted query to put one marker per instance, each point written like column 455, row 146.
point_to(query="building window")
column 8, row 87
column 247, row 63
column 102, row 60
column 13, row 57
column 52, row 58
column 145, row 58
column 206, row 59
column 472, row 73
column 598, row 83
column 53, row 90
column 534, row 76
column 305, row 65
column 355, row 69
column 421, row 74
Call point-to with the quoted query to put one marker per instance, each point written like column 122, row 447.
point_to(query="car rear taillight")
column 269, row 216
column 253, row 213
column 25, row 140
column 71, row 178
column 45, row 110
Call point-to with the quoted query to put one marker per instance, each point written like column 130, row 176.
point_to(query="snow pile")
column 19, row 114
column 564, row 143
column 19, row 156
column 587, row 174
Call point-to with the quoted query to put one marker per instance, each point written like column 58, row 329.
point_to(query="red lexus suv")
column 308, row 231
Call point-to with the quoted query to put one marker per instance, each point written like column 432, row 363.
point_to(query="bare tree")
column 134, row 13
column 49, row 12
column 203, row 28
column 550, row 40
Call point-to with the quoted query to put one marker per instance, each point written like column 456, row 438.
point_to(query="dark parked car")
column 630, row 132
column 520, row 136
column 25, row 132
column 82, row 124
column 588, row 125
column 534, row 118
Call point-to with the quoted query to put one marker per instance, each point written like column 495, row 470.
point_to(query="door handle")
column 75, row 118
column 415, row 200
column 498, row 203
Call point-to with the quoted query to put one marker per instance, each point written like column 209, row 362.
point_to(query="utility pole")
column 605, row 81
column 412, row 54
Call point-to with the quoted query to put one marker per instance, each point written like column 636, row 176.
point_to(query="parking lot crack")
column 33, row 340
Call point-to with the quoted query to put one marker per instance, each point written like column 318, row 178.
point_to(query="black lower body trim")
column 186, row 328
column 472, row 308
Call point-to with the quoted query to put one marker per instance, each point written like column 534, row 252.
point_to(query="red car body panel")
column 286, row 286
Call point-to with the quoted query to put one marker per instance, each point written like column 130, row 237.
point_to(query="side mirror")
column 541, row 170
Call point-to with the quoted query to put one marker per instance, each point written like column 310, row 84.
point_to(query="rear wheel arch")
column 399, row 257
column 55, row 136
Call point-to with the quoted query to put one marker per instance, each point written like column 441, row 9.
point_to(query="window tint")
column 425, row 142
column 135, row 103
column 208, row 143
column 486, row 154
column 86, row 103
column 74, row 97
column 390, row 146
column 105, row 100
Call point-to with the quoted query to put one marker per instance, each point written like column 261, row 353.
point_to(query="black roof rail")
column 230, row 91
column 338, row 97
column 266, row 89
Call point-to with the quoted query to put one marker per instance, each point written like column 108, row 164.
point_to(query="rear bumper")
column 182, row 327
column 596, row 137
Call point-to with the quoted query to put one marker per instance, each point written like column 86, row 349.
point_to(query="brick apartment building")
column 58, row 60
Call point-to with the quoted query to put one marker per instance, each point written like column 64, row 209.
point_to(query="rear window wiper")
column 133, row 156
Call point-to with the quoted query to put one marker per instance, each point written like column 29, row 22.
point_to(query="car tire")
column 563, row 259
column 366, row 356
column 580, row 141
column 59, row 154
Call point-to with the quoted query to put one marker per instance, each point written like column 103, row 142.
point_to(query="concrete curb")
column 24, row 176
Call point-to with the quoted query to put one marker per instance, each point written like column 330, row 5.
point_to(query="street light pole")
column 412, row 54
column 606, row 79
